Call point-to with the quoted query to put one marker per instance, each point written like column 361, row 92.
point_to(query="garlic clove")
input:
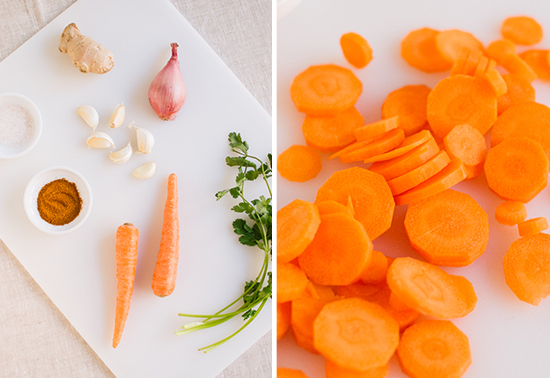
column 117, row 117
column 100, row 140
column 145, row 171
column 89, row 115
column 121, row 156
column 145, row 139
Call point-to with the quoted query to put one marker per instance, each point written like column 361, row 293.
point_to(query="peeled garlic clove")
column 145, row 139
column 100, row 140
column 121, row 156
column 145, row 171
column 117, row 117
column 89, row 115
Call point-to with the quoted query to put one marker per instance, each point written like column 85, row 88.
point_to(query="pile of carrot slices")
column 345, row 300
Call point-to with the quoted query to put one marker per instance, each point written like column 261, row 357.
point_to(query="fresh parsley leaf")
column 239, row 161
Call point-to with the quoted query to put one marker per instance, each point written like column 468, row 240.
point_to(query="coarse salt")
column 16, row 125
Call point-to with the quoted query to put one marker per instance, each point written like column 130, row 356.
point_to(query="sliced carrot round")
column 538, row 61
column 511, row 213
column 325, row 90
column 522, row 30
column 376, row 129
column 370, row 195
column 290, row 373
column 467, row 144
column 532, row 226
column 291, row 282
column 409, row 104
column 338, row 253
column 419, row 49
column 283, row 319
column 384, row 143
column 355, row 334
column 517, row 169
column 527, row 268
column 297, row 224
column 335, row 371
column 430, row 290
column 434, row 348
column 356, row 49
column 408, row 144
column 450, row 42
column 449, row 229
column 499, row 49
column 459, row 100
column 518, row 91
column 299, row 163
column 331, row 207
column 329, row 134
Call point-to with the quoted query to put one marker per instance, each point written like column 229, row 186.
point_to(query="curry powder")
column 59, row 202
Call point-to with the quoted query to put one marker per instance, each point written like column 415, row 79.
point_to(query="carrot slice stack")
column 407, row 145
column 385, row 143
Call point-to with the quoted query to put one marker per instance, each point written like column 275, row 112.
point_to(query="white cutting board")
column 508, row 338
column 77, row 270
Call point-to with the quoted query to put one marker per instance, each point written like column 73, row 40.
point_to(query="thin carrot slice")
column 356, row 49
column 481, row 66
column 430, row 290
column 419, row 49
column 331, row 207
column 375, row 271
column 291, row 282
column 517, row 66
column 434, row 348
column 527, row 268
column 376, row 129
column 329, row 134
column 449, row 229
column 461, row 99
column 387, row 142
column 450, row 42
column 335, row 371
column 290, row 373
column 299, row 163
column 325, row 90
column 518, row 91
column 355, row 334
column 370, row 195
column 517, row 169
column 409, row 104
column 297, row 224
column 472, row 62
column 532, row 226
column 353, row 147
column 538, row 61
column 338, row 253
column 528, row 119
column 400, row 165
column 407, row 145
column 497, row 83
column 522, row 30
column 467, row 144
column 449, row 176
column 418, row 175
column 283, row 319
column 511, row 213
column 460, row 62
column 499, row 49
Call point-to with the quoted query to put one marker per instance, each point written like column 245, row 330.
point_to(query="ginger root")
column 87, row 55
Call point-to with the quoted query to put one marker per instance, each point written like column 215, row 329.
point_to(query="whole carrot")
column 126, row 260
column 166, row 269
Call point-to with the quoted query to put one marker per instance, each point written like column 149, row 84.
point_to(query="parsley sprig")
column 254, row 231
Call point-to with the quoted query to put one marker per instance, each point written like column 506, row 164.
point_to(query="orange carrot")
column 304, row 342
column 515, row 65
column 527, row 268
column 518, row 90
column 481, row 66
column 335, row 371
column 538, row 61
column 299, row 163
column 166, row 269
column 517, row 169
column 449, row 176
column 325, row 90
column 290, row 373
column 400, row 165
column 495, row 80
column 407, row 145
column 297, row 224
column 409, row 104
column 331, row 207
column 356, row 49
column 375, row 271
column 522, row 30
column 330, row 134
column 291, row 282
column 419, row 49
column 511, row 213
column 385, row 143
column 338, row 253
column 499, row 49
column 355, row 334
column 434, row 348
column 370, row 194
column 467, row 144
column 532, row 226
column 459, row 64
column 459, row 100
column 283, row 319
column 397, row 304
column 449, row 229
column 430, row 290
column 355, row 146
column 472, row 62
column 376, row 129
column 450, row 42
column 127, row 237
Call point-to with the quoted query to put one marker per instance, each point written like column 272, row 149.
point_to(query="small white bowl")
column 18, row 99
column 46, row 176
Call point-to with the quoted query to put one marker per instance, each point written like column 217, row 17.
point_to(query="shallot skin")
column 167, row 91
